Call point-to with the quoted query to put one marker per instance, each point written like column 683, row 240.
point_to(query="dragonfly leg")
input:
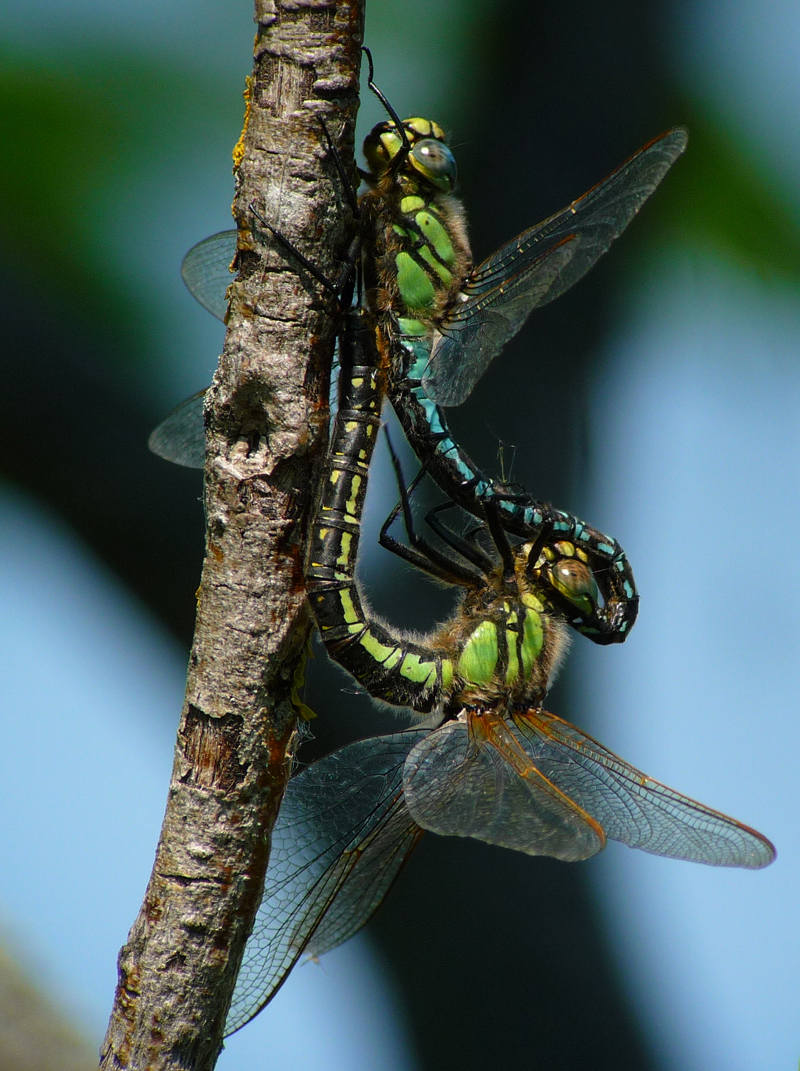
column 421, row 553
column 339, row 289
column 500, row 540
column 350, row 192
column 467, row 545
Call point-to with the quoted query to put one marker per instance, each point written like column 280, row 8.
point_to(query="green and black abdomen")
column 502, row 644
column 390, row 668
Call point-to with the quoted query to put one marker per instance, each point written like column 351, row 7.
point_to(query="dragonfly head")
column 429, row 157
column 561, row 569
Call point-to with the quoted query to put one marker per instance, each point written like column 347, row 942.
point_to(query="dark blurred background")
column 119, row 124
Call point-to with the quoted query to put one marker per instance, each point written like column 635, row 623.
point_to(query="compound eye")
column 435, row 161
column 575, row 580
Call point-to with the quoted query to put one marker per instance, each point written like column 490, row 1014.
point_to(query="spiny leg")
column 350, row 193
column 342, row 290
column 421, row 553
column 500, row 540
column 466, row 546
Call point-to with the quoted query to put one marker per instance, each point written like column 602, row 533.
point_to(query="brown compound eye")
column 575, row 581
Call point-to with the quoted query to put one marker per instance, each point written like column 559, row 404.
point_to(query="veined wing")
column 181, row 438
column 206, row 271
column 480, row 326
column 598, row 217
column 595, row 219
column 473, row 779
column 342, row 834
column 631, row 807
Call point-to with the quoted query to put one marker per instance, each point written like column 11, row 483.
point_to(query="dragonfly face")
column 424, row 155
column 566, row 569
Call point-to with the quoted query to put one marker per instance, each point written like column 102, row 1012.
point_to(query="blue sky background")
column 695, row 443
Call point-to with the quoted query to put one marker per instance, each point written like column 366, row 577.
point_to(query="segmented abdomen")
column 390, row 668
column 426, row 429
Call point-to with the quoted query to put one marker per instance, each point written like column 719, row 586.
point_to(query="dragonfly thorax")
column 503, row 648
column 418, row 253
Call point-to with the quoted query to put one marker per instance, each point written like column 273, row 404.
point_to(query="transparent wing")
column 480, row 327
column 473, row 779
column 206, row 271
column 181, row 438
column 595, row 219
column 342, row 835
column 631, row 807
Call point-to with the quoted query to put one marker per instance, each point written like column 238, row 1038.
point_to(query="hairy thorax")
column 418, row 255
column 505, row 650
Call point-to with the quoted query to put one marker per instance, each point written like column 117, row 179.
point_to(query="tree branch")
column 266, row 417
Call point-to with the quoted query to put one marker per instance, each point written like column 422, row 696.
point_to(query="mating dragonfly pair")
column 497, row 766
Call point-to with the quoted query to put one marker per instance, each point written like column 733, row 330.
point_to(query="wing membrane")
column 631, row 807
column 206, row 271
column 595, row 219
column 342, row 834
column 181, row 438
column 472, row 779
column 480, row 327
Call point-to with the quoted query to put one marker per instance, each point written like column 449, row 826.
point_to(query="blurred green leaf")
column 723, row 196
column 74, row 140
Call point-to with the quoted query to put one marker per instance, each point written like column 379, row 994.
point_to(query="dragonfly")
column 496, row 767
column 443, row 321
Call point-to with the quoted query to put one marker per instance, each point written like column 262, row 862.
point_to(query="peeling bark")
column 266, row 417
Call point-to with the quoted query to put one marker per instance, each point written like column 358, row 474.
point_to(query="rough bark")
column 266, row 417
